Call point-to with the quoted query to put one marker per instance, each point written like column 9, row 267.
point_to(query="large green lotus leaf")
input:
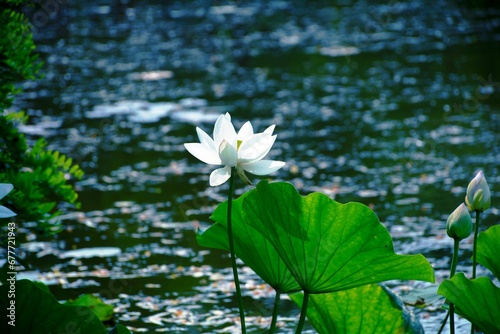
column 250, row 246
column 488, row 249
column 366, row 309
column 38, row 312
column 476, row 300
column 326, row 245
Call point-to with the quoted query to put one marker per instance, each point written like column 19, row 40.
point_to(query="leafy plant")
column 36, row 311
column 17, row 60
column 325, row 246
column 478, row 300
column 40, row 177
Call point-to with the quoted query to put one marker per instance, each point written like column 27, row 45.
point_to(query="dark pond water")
column 395, row 105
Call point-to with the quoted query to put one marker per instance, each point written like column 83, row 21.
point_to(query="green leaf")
column 488, row 248
column 46, row 207
column 366, row 309
column 38, row 312
column 103, row 311
column 326, row 245
column 476, row 300
column 250, row 246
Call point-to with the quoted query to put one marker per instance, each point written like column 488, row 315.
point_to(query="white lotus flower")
column 5, row 188
column 243, row 150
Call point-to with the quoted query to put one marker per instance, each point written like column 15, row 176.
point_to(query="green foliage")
column 103, row 311
column 17, row 61
column 367, row 309
column 250, row 246
column 326, row 245
column 488, row 248
column 38, row 312
column 40, row 177
column 331, row 250
column 477, row 300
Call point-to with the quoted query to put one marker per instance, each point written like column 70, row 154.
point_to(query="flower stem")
column 303, row 313
column 231, row 249
column 275, row 312
column 453, row 269
column 474, row 246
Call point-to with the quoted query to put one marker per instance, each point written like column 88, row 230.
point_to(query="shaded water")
column 394, row 105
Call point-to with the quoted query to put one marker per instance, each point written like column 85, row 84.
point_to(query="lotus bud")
column 459, row 223
column 478, row 194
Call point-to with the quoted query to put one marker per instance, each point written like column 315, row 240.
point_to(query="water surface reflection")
column 394, row 105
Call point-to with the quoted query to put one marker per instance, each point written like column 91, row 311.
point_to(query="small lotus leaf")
column 488, row 249
column 368, row 309
column 476, row 300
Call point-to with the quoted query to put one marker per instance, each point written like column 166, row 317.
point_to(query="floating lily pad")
column 366, row 309
column 326, row 245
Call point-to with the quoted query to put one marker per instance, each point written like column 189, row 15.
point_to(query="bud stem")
column 453, row 269
column 474, row 254
column 454, row 260
column 474, row 246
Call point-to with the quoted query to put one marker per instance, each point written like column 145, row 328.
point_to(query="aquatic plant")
column 476, row 299
column 40, row 177
column 239, row 153
column 332, row 252
column 325, row 246
column 311, row 244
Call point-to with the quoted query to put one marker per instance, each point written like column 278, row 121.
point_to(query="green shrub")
column 40, row 177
